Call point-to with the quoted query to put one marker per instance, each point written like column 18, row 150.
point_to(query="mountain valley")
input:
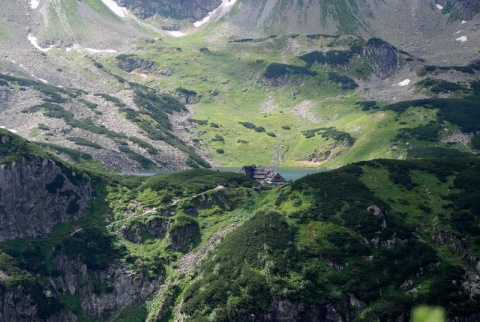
column 385, row 95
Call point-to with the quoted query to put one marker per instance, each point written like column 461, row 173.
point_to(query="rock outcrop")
column 122, row 287
column 138, row 232
column 5, row 96
column 382, row 57
column 129, row 64
column 18, row 305
column 466, row 9
column 36, row 194
column 192, row 10
column 183, row 237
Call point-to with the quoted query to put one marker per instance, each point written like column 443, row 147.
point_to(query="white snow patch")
column 80, row 49
column 97, row 51
column 34, row 41
column 204, row 20
column 463, row 21
column 116, row 9
column 42, row 80
column 462, row 39
column 439, row 6
column 225, row 4
column 402, row 83
column 12, row 130
column 2, row 127
column 177, row 33
column 34, row 4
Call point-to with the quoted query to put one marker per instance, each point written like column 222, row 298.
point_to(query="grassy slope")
column 228, row 81
column 327, row 214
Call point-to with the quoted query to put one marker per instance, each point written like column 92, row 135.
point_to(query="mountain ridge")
column 297, row 252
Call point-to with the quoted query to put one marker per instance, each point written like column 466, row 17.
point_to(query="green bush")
column 88, row 104
column 52, row 110
column 275, row 70
column 462, row 112
column 199, row 122
column 344, row 82
column 248, row 125
column 144, row 162
column 436, row 152
column 440, row 86
column 143, row 144
column 475, row 86
column 111, row 98
column 84, row 142
column 476, row 141
column 75, row 155
column 332, row 57
column 427, row 132
column 368, row 105
column 218, row 138
column 93, row 246
column 330, row 133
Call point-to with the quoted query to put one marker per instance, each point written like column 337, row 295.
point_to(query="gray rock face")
column 382, row 57
column 192, row 10
column 465, row 9
column 35, row 195
column 156, row 228
column 17, row 305
column 5, row 96
column 277, row 81
column 124, row 287
column 183, row 236
column 132, row 63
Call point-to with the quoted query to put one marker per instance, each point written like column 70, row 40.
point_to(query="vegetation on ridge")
column 387, row 234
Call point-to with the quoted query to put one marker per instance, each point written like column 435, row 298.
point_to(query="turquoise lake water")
column 288, row 173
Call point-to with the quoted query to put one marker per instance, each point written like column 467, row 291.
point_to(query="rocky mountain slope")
column 427, row 29
column 292, row 72
column 145, row 85
column 368, row 241
column 190, row 10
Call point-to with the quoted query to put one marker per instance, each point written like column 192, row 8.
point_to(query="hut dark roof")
column 264, row 175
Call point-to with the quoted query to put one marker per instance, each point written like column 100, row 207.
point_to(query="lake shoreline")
column 289, row 174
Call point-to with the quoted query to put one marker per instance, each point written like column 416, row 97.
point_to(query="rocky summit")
column 382, row 98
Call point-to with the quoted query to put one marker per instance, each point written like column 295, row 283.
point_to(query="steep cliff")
column 20, row 304
column 103, row 293
column 382, row 57
column 179, row 9
column 37, row 193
